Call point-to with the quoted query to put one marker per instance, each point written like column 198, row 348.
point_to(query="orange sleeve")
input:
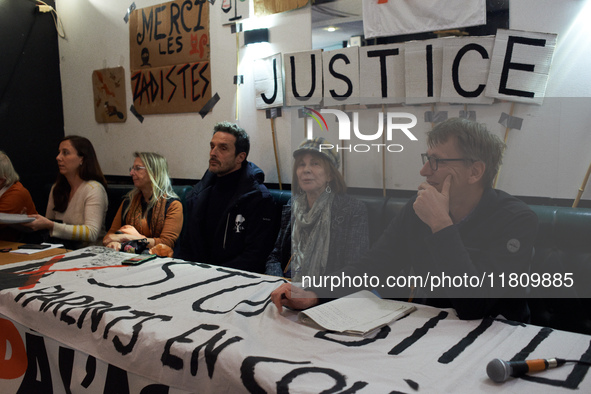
column 15, row 199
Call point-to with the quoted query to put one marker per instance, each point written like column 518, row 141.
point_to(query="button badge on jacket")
column 239, row 223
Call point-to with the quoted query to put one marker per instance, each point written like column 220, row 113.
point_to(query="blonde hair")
column 157, row 169
column 7, row 171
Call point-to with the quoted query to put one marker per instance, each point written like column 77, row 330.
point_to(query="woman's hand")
column 128, row 233
column 40, row 223
column 130, row 230
column 293, row 297
column 114, row 245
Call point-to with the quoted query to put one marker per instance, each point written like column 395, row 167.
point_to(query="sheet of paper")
column 31, row 251
column 357, row 313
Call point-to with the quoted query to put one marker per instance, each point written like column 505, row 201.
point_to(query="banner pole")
column 237, row 69
column 505, row 141
column 384, row 157
column 275, row 151
column 582, row 188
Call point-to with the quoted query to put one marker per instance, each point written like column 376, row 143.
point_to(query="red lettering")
column 16, row 365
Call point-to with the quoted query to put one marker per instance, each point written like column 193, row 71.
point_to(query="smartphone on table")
column 138, row 259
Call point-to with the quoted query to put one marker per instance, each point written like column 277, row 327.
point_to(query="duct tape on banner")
column 137, row 114
column 272, row 113
column 435, row 117
column 129, row 11
column 470, row 115
column 510, row 121
column 209, row 105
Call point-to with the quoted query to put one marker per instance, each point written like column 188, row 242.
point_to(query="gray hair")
column 7, row 171
column 474, row 141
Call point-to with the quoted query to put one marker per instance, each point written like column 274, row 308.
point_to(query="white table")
column 91, row 324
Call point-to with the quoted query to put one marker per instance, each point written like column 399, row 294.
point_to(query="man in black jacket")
column 230, row 213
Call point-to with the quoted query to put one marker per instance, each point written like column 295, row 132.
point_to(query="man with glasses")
column 457, row 225
column 230, row 213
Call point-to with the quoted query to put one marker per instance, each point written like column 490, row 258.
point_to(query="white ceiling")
column 345, row 15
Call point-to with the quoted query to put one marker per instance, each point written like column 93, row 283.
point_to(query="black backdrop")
column 31, row 112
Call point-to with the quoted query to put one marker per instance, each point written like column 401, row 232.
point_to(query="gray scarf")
column 310, row 236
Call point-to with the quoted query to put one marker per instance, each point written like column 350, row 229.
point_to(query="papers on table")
column 356, row 314
column 31, row 251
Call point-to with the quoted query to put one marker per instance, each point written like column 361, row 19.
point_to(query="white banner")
column 303, row 78
column 382, row 75
column 520, row 66
column 207, row 329
column 341, row 76
column 466, row 61
column 268, row 82
column 424, row 63
column 397, row 17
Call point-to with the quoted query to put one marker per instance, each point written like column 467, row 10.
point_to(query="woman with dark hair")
column 151, row 210
column 78, row 200
column 323, row 229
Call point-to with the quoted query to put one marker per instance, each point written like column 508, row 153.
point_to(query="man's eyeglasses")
column 136, row 168
column 434, row 162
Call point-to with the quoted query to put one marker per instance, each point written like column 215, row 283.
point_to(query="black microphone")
column 499, row 371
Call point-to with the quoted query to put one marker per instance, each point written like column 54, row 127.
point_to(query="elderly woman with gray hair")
column 152, row 210
column 323, row 229
column 14, row 198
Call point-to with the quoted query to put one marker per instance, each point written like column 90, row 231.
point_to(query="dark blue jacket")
column 245, row 236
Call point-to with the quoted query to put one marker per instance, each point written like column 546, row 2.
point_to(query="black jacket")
column 496, row 238
column 245, row 236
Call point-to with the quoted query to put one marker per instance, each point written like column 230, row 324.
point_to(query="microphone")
column 499, row 371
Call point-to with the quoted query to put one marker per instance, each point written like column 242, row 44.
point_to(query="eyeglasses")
column 434, row 162
column 136, row 168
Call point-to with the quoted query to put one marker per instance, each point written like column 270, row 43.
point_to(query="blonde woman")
column 151, row 210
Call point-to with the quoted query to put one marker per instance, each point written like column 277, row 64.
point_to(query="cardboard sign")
column 172, row 89
column 108, row 86
column 169, row 57
column 303, row 78
column 268, row 83
column 382, row 79
column 466, row 61
column 341, row 76
column 520, row 66
column 423, row 62
column 234, row 11
column 268, row 7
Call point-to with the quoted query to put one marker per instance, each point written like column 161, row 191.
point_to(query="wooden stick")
column 342, row 108
column 505, row 140
column 582, row 188
column 275, row 150
column 237, row 69
column 384, row 158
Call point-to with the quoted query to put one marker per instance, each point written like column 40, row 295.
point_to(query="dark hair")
column 90, row 170
column 242, row 143
column 337, row 183
column 474, row 142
